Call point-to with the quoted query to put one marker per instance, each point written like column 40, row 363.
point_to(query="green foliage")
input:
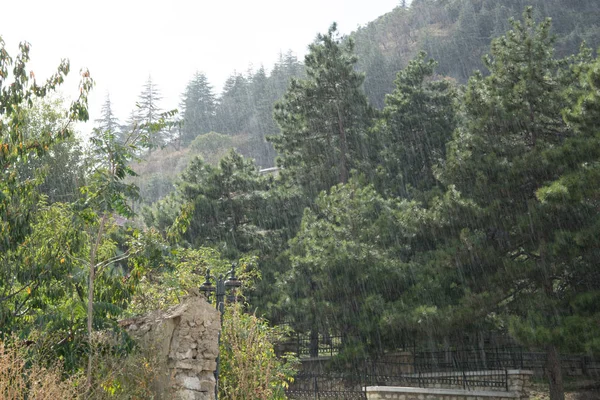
column 472, row 209
column 108, row 122
column 519, row 256
column 107, row 196
column 250, row 369
column 235, row 210
column 498, row 159
column 32, row 253
column 417, row 122
column 343, row 266
column 212, row 146
column 198, row 108
column 458, row 33
column 222, row 201
column 181, row 273
column 323, row 118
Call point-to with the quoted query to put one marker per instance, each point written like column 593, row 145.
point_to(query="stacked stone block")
column 184, row 340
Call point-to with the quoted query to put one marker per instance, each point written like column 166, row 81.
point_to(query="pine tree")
column 148, row 112
column 417, row 122
column 498, row 158
column 285, row 68
column 324, row 117
column 108, row 122
column 234, row 108
column 261, row 123
column 198, row 107
column 342, row 266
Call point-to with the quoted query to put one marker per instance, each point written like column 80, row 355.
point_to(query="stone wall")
column 516, row 380
column 405, row 393
column 185, row 340
column 519, row 385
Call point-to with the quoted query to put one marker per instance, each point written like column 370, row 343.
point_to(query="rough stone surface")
column 185, row 339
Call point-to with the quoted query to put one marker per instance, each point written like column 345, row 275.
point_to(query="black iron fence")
column 463, row 358
column 509, row 357
column 325, row 346
column 326, row 386
column 468, row 368
column 345, row 386
column 321, row 345
column 469, row 359
column 350, row 385
column 386, row 373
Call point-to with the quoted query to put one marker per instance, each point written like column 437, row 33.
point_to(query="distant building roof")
column 272, row 170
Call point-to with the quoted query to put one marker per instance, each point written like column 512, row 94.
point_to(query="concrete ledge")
column 446, row 392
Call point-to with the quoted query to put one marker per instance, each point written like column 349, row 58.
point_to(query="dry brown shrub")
column 17, row 382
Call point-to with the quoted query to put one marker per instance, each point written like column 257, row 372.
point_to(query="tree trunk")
column 313, row 344
column 554, row 374
column 313, row 349
column 343, row 149
column 90, row 305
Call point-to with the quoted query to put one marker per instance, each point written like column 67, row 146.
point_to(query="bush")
column 250, row 368
column 128, row 377
column 116, row 376
column 211, row 146
column 20, row 382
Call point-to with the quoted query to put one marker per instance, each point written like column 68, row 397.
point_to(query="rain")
column 397, row 200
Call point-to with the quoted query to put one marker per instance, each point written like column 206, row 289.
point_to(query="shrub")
column 250, row 368
column 20, row 382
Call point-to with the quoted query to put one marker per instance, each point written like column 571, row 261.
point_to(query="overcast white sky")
column 123, row 42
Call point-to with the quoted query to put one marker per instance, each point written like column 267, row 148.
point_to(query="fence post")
column 521, row 348
column 584, row 369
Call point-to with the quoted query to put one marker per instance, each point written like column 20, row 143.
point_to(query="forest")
column 433, row 177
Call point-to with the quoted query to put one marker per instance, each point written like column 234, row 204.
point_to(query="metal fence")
column 509, row 357
column 336, row 385
column 469, row 359
column 322, row 345
column 340, row 386
column 326, row 386
column 468, row 368
column 385, row 373
column 326, row 345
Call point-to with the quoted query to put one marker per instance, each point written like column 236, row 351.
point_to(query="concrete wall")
column 185, row 341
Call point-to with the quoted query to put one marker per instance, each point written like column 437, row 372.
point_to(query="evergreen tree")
column 342, row 268
column 107, row 121
column 417, row 122
column 324, row 118
column 219, row 205
column 512, row 119
column 148, row 113
column 261, row 124
column 198, row 108
column 286, row 68
column 234, row 109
